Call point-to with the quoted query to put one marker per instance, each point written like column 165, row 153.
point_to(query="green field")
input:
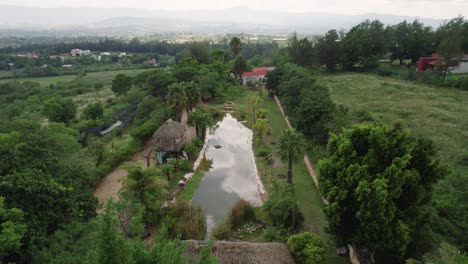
column 100, row 76
column 439, row 114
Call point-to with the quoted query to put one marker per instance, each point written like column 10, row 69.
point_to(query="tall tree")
column 121, row 84
column 60, row 110
column 12, row 229
column 239, row 67
column 451, row 38
column 93, row 111
column 301, row 51
column 329, row 51
column 177, row 98
column 291, row 147
column 236, row 46
column 201, row 120
column 193, row 94
column 378, row 182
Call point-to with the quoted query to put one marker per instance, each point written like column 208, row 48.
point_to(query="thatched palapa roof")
column 244, row 252
column 170, row 136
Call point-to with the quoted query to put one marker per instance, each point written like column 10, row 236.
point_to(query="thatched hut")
column 245, row 252
column 169, row 139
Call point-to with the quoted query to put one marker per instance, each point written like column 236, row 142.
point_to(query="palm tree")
column 291, row 147
column 201, row 120
column 236, row 46
column 177, row 98
column 254, row 104
column 192, row 91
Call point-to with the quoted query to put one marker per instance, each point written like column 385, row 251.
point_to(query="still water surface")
column 232, row 173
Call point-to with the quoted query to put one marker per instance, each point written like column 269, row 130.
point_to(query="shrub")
column 241, row 213
column 384, row 70
column 307, row 248
column 272, row 234
column 222, row 231
column 189, row 221
column 283, row 209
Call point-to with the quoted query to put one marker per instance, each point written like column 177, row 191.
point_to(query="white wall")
column 256, row 78
column 463, row 68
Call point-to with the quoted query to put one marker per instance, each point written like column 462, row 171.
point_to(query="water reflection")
column 232, row 174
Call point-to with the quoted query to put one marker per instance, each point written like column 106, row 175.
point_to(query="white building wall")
column 462, row 68
column 256, row 78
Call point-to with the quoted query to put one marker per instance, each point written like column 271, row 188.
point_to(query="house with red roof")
column 257, row 75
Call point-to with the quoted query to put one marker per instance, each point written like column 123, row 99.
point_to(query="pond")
column 231, row 173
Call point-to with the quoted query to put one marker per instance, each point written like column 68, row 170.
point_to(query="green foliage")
column 121, row 84
column 12, row 229
column 200, row 52
column 241, row 213
column 60, row 110
column 378, row 182
column 384, row 70
column 300, row 50
column 261, row 128
column 240, row 65
column 236, row 46
column 94, row 111
column 177, row 98
column 222, row 231
column 290, row 148
column 329, row 50
column 274, row 234
column 201, row 120
column 186, row 221
column 283, row 209
column 446, row 253
column 307, row 248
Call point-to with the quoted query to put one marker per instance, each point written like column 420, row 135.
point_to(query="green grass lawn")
column 101, row 76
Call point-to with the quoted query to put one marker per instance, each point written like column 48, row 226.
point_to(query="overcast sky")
column 420, row 8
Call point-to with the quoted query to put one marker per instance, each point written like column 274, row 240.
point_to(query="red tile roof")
column 256, row 72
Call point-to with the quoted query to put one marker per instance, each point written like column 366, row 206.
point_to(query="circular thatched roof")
column 170, row 130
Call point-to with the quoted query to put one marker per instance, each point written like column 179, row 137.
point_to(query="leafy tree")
column 177, row 98
column 201, row 120
column 148, row 188
column 254, row 104
column 193, row 94
column 60, row 110
column 378, row 182
column 240, row 66
column 158, row 82
column 94, row 111
column 200, row 52
column 291, row 147
column 314, row 114
column 12, row 229
column 147, row 106
column 283, row 209
column 329, row 51
column 236, row 46
column 301, row 51
column 261, row 128
column 121, row 84
column 186, row 70
column 364, row 44
column 307, row 248
column 451, row 39
column 219, row 55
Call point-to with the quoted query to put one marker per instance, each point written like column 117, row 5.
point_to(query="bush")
column 307, row 248
column 222, row 231
column 187, row 221
column 283, row 209
column 241, row 213
column 272, row 234
column 384, row 70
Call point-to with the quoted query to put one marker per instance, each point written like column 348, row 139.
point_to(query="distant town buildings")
column 67, row 66
column 105, row 53
column 79, row 52
column 28, row 56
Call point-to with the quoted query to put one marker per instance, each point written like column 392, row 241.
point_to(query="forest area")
column 387, row 143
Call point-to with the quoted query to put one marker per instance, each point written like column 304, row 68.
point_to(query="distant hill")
column 139, row 20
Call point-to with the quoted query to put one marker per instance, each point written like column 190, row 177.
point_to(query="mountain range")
column 133, row 21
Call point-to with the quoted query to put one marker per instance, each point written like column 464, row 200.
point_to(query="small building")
column 105, row 54
column 256, row 75
column 67, row 66
column 430, row 63
column 79, row 52
column 169, row 139
column 153, row 62
column 462, row 66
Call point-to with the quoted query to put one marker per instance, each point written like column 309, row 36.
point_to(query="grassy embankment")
column 307, row 194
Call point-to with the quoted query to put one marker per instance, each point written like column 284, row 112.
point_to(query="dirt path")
column 112, row 183
column 307, row 162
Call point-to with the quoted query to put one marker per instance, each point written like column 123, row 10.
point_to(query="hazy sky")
column 421, row 8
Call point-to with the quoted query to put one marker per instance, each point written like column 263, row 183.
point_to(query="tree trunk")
column 290, row 170
column 445, row 73
column 197, row 131
column 401, row 62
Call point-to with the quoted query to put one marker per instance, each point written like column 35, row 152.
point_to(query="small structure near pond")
column 169, row 140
